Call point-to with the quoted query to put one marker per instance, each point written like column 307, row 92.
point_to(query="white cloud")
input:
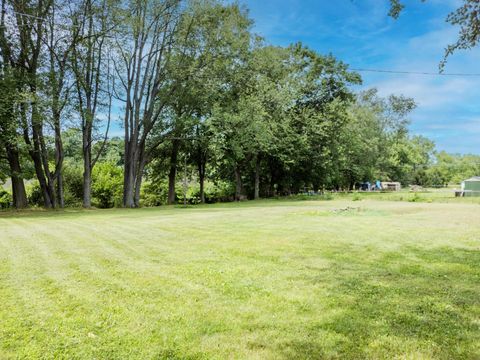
column 430, row 92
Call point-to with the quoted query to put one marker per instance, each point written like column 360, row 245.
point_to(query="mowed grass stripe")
column 270, row 280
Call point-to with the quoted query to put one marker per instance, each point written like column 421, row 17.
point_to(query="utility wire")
column 33, row 17
column 353, row 69
column 27, row 15
column 414, row 72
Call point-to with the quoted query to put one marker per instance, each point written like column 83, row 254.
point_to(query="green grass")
column 443, row 195
column 277, row 279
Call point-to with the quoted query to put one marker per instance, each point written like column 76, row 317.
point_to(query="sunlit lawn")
column 256, row 280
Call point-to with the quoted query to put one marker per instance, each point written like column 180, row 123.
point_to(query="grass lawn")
column 256, row 280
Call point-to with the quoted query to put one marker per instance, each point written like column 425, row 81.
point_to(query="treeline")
column 201, row 100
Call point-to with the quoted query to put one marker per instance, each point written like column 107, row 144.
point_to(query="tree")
column 213, row 56
column 59, row 47
column 143, row 45
column 22, row 42
column 219, row 39
column 8, row 134
column 320, row 112
column 91, row 72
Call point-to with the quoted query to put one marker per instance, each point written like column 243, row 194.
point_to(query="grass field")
column 256, row 280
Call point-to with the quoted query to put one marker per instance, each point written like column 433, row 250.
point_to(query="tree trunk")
column 87, row 165
column 47, row 202
column 58, row 177
column 201, row 176
column 128, row 186
column 59, row 156
column 36, row 154
column 37, row 163
column 87, row 184
column 127, row 174
column 238, row 184
column 138, row 185
column 257, row 179
column 173, row 172
column 18, row 186
column 135, row 161
column 202, row 188
column 60, row 192
column 138, row 181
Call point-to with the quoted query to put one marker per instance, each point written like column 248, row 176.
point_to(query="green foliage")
column 453, row 168
column 5, row 199
column 249, row 118
column 416, row 198
column 112, row 152
column 73, row 183
column 107, row 185
column 154, row 192
column 357, row 197
column 34, row 193
column 314, row 197
column 72, row 144
column 220, row 191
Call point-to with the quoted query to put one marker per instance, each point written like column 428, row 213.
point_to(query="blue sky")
column 360, row 33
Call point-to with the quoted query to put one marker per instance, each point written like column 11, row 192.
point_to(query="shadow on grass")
column 422, row 308
column 164, row 209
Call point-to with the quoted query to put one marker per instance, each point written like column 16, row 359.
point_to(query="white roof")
column 475, row 178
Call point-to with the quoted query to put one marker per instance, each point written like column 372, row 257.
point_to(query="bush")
column 325, row 196
column 154, row 193
column 34, row 193
column 220, row 191
column 5, row 199
column 107, row 185
column 72, row 184
column 214, row 192
column 415, row 198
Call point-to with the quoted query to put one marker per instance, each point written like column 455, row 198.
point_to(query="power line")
column 16, row 25
column 414, row 72
column 398, row 72
column 28, row 15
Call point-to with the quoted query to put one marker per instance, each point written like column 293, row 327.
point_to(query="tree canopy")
column 208, row 109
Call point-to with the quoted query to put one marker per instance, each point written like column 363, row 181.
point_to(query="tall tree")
column 144, row 44
column 8, row 133
column 22, row 44
column 61, row 37
column 90, row 68
column 210, row 37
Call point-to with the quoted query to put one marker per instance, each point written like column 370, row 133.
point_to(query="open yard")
column 256, row 280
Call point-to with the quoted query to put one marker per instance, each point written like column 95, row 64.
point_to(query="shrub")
column 220, row 191
column 34, row 193
column 72, row 184
column 192, row 195
column 415, row 198
column 5, row 199
column 107, row 185
column 325, row 196
column 154, row 193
